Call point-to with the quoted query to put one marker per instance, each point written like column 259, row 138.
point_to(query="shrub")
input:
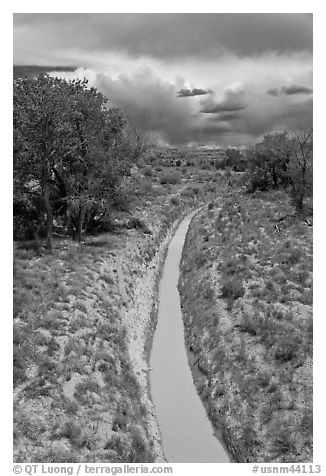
column 249, row 438
column 147, row 171
column 306, row 297
column 73, row 432
column 19, row 365
column 231, row 267
column 107, row 278
column 283, row 441
column 30, row 425
column 175, row 201
column 140, row 452
column 248, row 324
column 295, row 256
column 47, row 368
column 219, row 164
column 119, row 422
column 170, row 178
column 232, row 289
column 286, row 349
column 257, row 181
column 199, row 258
column 307, row 421
column 31, row 245
column 80, row 306
column 227, row 173
column 72, row 345
column 71, row 408
column 82, row 388
column 263, row 379
column 119, row 446
column 190, row 192
column 147, row 186
column 138, row 223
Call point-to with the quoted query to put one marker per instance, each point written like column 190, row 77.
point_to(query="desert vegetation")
column 70, row 155
column 246, row 290
column 73, row 374
column 93, row 204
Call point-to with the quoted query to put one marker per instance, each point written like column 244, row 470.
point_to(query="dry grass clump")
column 231, row 289
column 170, row 178
column 147, row 171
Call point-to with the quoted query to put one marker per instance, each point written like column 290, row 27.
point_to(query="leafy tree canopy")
column 70, row 150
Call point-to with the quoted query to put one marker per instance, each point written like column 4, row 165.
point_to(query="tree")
column 234, row 159
column 257, row 176
column 40, row 126
column 283, row 160
column 69, row 149
column 268, row 161
column 300, row 169
column 136, row 139
column 99, row 156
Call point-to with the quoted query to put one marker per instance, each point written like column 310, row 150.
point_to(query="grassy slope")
column 77, row 396
column 246, row 292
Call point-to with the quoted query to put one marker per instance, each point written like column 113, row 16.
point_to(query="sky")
column 185, row 79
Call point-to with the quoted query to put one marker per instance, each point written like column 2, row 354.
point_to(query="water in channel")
column 187, row 434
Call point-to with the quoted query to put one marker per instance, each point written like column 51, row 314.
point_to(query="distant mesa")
column 30, row 71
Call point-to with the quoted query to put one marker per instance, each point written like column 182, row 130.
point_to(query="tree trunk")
column 299, row 203
column 274, row 176
column 297, row 198
column 69, row 223
column 49, row 216
column 80, row 223
column 37, row 240
column 47, row 205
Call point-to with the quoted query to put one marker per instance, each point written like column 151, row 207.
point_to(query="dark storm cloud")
column 256, row 122
column 170, row 35
column 295, row 89
column 273, row 92
column 183, row 93
column 290, row 90
column 232, row 100
column 151, row 104
column 145, row 63
column 225, row 116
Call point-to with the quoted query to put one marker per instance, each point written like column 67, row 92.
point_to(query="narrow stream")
column 187, row 434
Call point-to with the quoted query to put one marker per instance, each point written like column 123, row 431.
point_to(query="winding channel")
column 186, row 432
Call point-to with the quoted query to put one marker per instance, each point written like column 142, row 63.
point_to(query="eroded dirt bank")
column 140, row 321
